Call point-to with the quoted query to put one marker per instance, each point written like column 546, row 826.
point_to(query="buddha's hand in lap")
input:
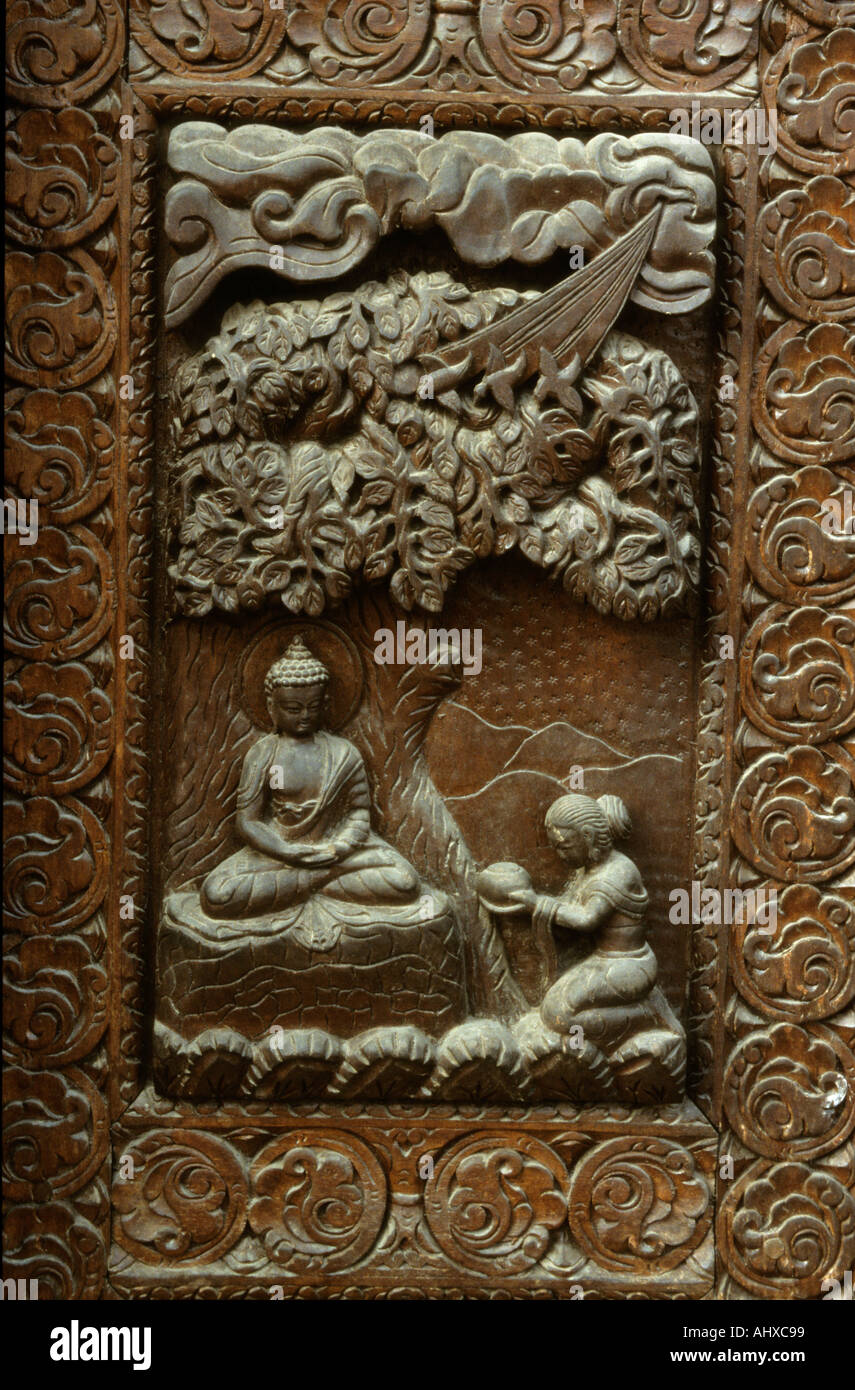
column 320, row 856
column 304, row 855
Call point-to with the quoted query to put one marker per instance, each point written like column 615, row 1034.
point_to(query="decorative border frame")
column 770, row 1035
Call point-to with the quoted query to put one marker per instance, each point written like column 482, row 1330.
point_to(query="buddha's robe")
column 367, row 870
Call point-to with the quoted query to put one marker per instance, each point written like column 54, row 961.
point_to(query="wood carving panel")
column 510, row 1106
column 394, row 436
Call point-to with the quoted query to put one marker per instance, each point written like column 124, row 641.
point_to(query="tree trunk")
column 390, row 729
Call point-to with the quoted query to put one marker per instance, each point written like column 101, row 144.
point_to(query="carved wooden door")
column 429, row 628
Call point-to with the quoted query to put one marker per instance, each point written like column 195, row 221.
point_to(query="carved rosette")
column 179, row 1197
column 64, row 162
column 493, row 1203
column 641, row 1205
column 784, row 1228
column 318, row 1203
column 788, row 1090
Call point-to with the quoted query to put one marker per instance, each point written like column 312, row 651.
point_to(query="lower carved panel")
column 406, row 1201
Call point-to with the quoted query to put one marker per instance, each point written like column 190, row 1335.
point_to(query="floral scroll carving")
column 798, row 674
column 233, row 37
column 62, row 177
column 317, row 1205
column 538, row 46
column 61, row 318
column 789, row 1091
column 807, row 970
column 786, row 1221
column 60, row 52
column 308, row 1208
column 55, row 1137
column 811, row 82
column 57, row 1013
column 794, row 815
column 61, row 428
column 492, row 1206
column 56, row 1244
column 805, row 400
column 51, row 740
column 188, row 1200
column 787, row 1227
column 60, row 459
column 56, row 868
column 789, row 551
column 349, row 40
column 548, row 44
column 807, row 256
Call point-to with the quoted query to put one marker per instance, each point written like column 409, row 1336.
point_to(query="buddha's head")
column 582, row 830
column 297, row 686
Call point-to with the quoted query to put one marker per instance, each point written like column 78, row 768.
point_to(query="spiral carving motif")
column 804, row 392
column 184, row 1200
column 790, row 1091
column 56, row 864
column 694, row 45
column 787, row 1227
column 55, row 1133
column 61, row 318
column 812, row 83
column 232, row 38
column 60, row 593
column 806, row 968
column 55, row 741
column 59, row 450
column 318, row 1202
column 59, row 52
column 639, row 1204
column 807, row 249
column 62, row 177
column 548, row 43
column 794, row 815
column 798, row 674
column 493, row 1203
column 790, row 548
column 56, row 1245
column 55, row 1000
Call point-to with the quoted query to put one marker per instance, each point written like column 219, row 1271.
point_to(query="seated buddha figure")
column 303, row 813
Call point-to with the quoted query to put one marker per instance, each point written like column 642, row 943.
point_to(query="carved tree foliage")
column 306, row 457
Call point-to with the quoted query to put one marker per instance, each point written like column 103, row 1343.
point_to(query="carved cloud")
column 326, row 198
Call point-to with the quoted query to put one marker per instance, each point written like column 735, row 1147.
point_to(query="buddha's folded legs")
column 250, row 884
column 374, row 873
